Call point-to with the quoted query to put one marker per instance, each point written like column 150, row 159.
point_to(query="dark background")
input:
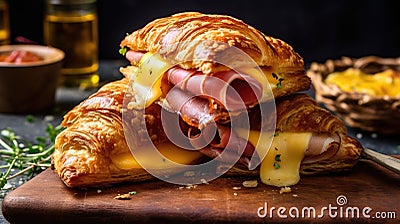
column 317, row 30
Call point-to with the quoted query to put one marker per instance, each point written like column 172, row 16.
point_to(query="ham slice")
column 229, row 140
column 134, row 56
column 321, row 146
column 230, row 89
column 227, row 147
column 195, row 111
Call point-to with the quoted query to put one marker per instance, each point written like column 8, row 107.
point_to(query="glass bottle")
column 4, row 23
column 72, row 26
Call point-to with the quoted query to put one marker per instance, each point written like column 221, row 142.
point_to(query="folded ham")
column 199, row 84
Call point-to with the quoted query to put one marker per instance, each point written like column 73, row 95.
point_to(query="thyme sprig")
column 122, row 51
column 279, row 84
column 26, row 157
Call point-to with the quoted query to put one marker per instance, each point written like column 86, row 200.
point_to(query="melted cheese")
column 151, row 67
column 281, row 164
column 126, row 161
column 264, row 77
column 147, row 82
column 379, row 84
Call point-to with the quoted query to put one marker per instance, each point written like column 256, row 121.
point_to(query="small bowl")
column 30, row 87
column 380, row 114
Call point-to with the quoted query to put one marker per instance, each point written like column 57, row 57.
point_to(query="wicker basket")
column 380, row 114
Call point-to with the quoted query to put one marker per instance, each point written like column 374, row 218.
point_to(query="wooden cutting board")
column 369, row 188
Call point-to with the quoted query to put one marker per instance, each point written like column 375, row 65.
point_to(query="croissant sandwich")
column 202, row 89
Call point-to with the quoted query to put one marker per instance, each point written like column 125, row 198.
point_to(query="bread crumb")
column 123, row 197
column 191, row 186
column 285, row 190
column 250, row 183
column 126, row 196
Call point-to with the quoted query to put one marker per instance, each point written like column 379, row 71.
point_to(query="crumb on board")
column 189, row 186
column 127, row 196
column 123, row 197
column 250, row 183
column 285, row 190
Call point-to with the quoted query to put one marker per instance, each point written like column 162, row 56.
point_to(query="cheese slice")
column 125, row 161
column 282, row 157
column 281, row 166
column 151, row 67
column 264, row 77
column 147, row 81
column 177, row 155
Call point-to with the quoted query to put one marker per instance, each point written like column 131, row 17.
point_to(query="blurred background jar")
column 4, row 23
column 72, row 25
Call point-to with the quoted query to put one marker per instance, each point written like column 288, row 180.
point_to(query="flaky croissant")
column 94, row 135
column 199, row 67
column 300, row 113
column 94, row 131
column 197, row 41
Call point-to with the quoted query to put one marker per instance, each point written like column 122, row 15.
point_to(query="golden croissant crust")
column 301, row 113
column 93, row 133
column 204, row 39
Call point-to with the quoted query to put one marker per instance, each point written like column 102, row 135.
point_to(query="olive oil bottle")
column 4, row 23
column 72, row 26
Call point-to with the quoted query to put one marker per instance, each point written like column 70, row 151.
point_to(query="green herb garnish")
column 279, row 84
column 123, row 51
column 276, row 165
column 274, row 135
column 30, row 119
column 277, row 161
column 26, row 157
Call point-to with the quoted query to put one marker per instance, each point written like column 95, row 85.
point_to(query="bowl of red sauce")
column 29, row 77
